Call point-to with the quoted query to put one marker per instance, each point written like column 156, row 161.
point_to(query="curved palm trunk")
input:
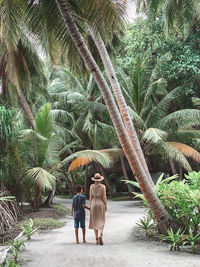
column 120, row 100
column 129, row 186
column 160, row 214
column 26, row 109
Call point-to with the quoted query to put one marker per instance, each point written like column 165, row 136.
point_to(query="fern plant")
column 176, row 239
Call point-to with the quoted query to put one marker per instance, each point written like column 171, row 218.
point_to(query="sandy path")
column 121, row 247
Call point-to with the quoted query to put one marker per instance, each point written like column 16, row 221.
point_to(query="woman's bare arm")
column 104, row 197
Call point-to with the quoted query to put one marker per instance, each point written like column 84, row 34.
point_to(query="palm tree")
column 120, row 100
column 45, row 145
column 161, row 216
column 20, row 64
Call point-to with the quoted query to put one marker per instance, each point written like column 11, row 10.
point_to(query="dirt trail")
column 122, row 247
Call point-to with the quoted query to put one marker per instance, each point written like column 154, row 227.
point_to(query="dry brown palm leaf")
column 84, row 157
column 187, row 151
column 9, row 210
column 78, row 162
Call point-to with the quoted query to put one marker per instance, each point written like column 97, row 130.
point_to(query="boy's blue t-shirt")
column 79, row 211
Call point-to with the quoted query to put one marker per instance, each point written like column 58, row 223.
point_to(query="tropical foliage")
column 60, row 121
column 181, row 199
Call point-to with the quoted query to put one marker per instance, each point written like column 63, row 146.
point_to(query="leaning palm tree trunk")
column 160, row 214
column 120, row 100
column 26, row 109
column 129, row 186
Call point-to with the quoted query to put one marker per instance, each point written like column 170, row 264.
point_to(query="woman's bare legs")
column 100, row 238
column 101, row 232
column 96, row 234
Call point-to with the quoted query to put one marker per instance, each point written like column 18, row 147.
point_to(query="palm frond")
column 155, row 89
column 29, row 133
column 86, row 157
column 67, row 148
column 159, row 111
column 104, row 12
column 44, row 121
column 174, row 153
column 62, row 115
column 136, row 118
column 42, row 177
column 131, row 182
column 179, row 119
column 114, row 153
column 187, row 151
column 154, row 135
column 105, row 135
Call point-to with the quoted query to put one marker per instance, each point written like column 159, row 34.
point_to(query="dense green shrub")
column 182, row 201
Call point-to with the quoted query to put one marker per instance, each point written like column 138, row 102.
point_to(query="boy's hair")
column 78, row 188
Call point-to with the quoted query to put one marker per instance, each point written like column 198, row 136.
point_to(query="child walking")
column 78, row 212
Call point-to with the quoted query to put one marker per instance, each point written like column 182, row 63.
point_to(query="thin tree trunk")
column 173, row 167
column 130, row 187
column 109, row 188
column 161, row 216
column 73, row 190
column 27, row 109
column 36, row 197
column 180, row 168
column 4, row 84
column 120, row 100
column 86, row 181
column 49, row 199
column 73, row 181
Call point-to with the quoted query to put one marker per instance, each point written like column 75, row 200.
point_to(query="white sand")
column 122, row 246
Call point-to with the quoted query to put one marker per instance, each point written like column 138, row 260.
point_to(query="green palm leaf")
column 44, row 121
column 180, row 118
column 159, row 111
column 174, row 153
column 154, row 135
column 42, row 177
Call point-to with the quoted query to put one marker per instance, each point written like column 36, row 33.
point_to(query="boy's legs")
column 76, row 226
column 76, row 234
column 82, row 221
column 84, row 231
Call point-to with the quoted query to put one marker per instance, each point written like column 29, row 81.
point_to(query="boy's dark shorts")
column 79, row 221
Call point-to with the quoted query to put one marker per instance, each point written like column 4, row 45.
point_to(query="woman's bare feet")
column 84, row 241
column 101, row 241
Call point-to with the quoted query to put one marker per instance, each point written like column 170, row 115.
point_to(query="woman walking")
column 98, row 207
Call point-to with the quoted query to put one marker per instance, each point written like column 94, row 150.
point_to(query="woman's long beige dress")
column 97, row 207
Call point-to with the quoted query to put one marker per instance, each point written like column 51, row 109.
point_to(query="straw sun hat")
column 97, row 178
